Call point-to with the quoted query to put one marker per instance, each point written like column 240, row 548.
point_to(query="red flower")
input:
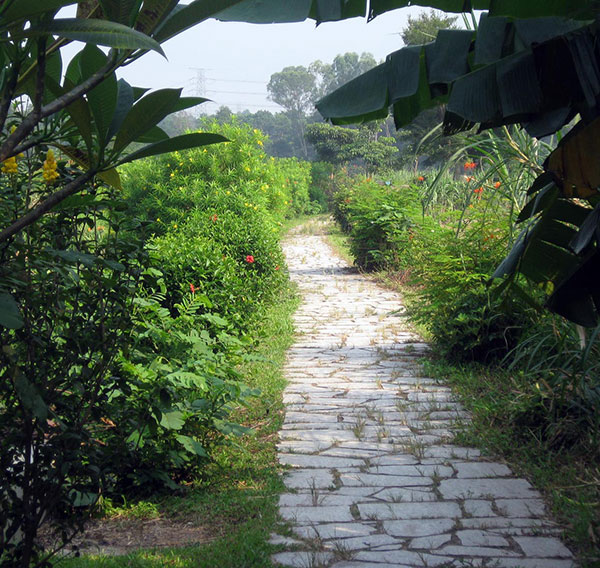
column 478, row 191
column 469, row 178
column 470, row 165
column 214, row 218
column 249, row 259
column 420, row 178
column 192, row 288
column 497, row 184
column 277, row 267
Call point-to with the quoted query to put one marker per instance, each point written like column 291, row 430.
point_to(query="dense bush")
column 128, row 364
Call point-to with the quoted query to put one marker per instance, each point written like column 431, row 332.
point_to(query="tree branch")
column 8, row 93
column 45, row 206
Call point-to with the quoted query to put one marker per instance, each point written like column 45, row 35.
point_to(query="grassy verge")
column 235, row 502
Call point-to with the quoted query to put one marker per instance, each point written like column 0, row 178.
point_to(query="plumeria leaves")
column 10, row 315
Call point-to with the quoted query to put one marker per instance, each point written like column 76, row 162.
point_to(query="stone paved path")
column 374, row 478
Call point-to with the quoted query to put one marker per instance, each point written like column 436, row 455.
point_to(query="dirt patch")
column 122, row 536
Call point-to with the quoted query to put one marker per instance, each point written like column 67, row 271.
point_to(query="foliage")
column 74, row 276
column 343, row 68
column 512, row 77
column 293, row 89
column 361, row 145
column 425, row 27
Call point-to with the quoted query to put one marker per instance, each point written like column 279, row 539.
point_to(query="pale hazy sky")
column 231, row 62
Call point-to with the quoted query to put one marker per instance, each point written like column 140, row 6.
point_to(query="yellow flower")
column 228, row 192
column 49, row 168
column 9, row 166
column 247, row 168
column 158, row 219
column 259, row 142
column 175, row 226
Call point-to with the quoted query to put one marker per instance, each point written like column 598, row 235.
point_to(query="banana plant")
column 533, row 63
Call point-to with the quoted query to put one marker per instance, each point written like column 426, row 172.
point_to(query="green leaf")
column 182, row 142
column 192, row 445
column 145, row 114
column 30, row 397
column 172, row 420
column 153, row 14
column 111, row 177
column 19, row 10
column 103, row 98
column 99, row 32
column 362, row 99
column 182, row 18
column 188, row 102
column 10, row 315
column 155, row 134
column 121, row 11
column 125, row 99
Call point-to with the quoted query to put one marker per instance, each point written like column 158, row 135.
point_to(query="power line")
column 235, row 92
column 235, row 81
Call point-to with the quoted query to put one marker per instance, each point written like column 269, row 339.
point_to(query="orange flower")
column 497, row 184
column 420, row 178
column 470, row 165
column 478, row 191
column 469, row 178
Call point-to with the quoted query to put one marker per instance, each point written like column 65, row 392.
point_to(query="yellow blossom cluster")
column 9, row 166
column 49, row 168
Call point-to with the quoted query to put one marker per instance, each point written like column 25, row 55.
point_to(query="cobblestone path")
column 374, row 478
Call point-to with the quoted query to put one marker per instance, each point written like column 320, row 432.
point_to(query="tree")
column 425, row 27
column 362, row 145
column 344, row 68
column 293, row 88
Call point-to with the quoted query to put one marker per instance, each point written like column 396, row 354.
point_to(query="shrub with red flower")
column 249, row 259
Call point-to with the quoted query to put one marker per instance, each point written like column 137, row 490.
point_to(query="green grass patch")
column 235, row 501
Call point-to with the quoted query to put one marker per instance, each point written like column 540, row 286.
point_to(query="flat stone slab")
column 374, row 479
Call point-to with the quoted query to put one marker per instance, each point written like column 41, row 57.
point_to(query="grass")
column 236, row 499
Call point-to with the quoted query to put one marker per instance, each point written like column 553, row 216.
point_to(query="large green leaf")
column 19, row 10
column 102, row 98
column 125, row 99
column 10, row 316
column 145, row 114
column 344, row 106
column 182, row 142
column 99, row 32
column 153, row 13
column 121, row 11
column 182, row 18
